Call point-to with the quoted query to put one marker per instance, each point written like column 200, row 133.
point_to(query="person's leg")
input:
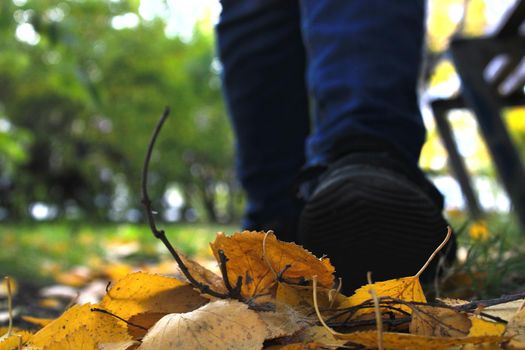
column 263, row 58
column 363, row 65
column 372, row 210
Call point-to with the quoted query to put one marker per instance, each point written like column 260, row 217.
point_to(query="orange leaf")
column 258, row 266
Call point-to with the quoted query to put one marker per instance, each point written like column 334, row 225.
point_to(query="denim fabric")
column 350, row 66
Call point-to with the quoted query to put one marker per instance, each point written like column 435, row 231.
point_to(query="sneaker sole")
column 369, row 219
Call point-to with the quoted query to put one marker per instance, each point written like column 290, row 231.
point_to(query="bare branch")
column 160, row 234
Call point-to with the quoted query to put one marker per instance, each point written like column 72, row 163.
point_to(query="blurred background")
column 82, row 85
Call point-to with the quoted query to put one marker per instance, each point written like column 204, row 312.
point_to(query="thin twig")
column 234, row 292
column 490, row 302
column 95, row 309
column 160, row 234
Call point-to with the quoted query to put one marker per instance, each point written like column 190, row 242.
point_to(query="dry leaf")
column 141, row 292
column 516, row 330
column 482, row 327
column 123, row 345
column 244, row 252
column 438, row 321
column 296, row 346
column 504, row 311
column 452, row 301
column 406, row 288
column 101, row 327
column 222, row 324
column 403, row 341
column 285, row 322
column 300, row 295
column 203, row 275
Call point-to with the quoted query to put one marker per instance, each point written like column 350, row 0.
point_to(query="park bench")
column 492, row 73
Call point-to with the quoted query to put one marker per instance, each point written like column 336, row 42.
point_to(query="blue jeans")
column 311, row 80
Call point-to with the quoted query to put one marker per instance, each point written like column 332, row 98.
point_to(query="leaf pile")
column 281, row 297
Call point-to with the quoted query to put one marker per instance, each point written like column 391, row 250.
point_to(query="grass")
column 35, row 252
column 491, row 258
column 492, row 252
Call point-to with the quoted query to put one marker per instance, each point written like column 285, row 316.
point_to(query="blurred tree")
column 87, row 81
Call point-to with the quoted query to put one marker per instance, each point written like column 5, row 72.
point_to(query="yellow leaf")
column 17, row 336
column 482, row 327
column 320, row 335
column 80, row 339
column 141, row 292
column 441, row 322
column 222, row 324
column 403, row 341
column 117, row 271
column 258, row 265
column 50, row 303
column 101, row 327
column 37, row 320
column 406, row 288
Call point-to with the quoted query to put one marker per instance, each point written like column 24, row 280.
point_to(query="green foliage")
column 88, row 95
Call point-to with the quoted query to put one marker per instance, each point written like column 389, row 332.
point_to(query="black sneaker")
column 369, row 212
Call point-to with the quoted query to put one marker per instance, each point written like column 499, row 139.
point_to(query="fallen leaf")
column 285, row 322
column 438, row 321
column 259, row 267
column 294, row 295
column 144, row 320
column 452, row 301
column 481, row 327
column 203, row 275
column 141, row 292
column 505, row 311
column 516, row 330
column 123, row 345
column 101, row 327
column 80, row 339
column 42, row 322
column 321, row 336
column 406, row 288
column 403, row 341
column 11, row 342
column 222, row 324
column 296, row 346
